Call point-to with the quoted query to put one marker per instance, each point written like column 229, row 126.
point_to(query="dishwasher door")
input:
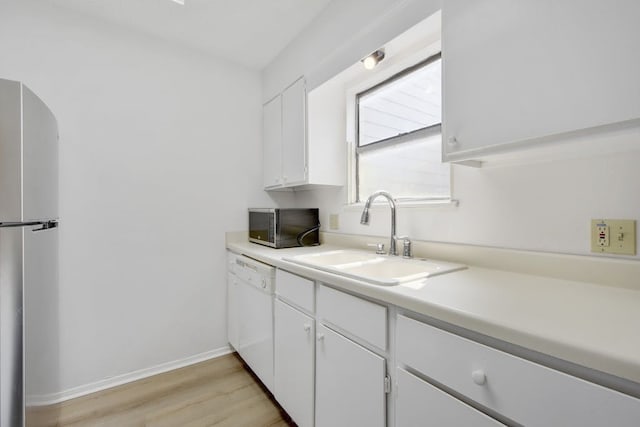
column 255, row 322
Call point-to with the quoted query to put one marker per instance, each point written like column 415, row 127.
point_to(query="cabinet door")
column 294, row 141
column 294, row 344
column 419, row 403
column 349, row 383
column 272, row 142
column 517, row 71
column 232, row 310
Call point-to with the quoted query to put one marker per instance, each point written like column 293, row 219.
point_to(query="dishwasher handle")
column 246, row 265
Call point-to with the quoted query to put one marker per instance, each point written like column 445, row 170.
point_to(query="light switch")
column 614, row 236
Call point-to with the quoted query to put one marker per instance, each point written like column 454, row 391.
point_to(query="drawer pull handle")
column 307, row 327
column 320, row 337
column 479, row 377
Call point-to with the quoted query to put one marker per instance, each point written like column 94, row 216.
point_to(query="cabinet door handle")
column 320, row 337
column 307, row 327
column 479, row 377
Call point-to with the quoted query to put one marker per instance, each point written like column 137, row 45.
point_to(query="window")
column 399, row 137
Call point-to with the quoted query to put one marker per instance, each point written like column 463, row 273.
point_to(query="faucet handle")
column 406, row 246
column 379, row 248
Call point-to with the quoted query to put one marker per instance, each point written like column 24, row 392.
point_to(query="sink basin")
column 377, row 269
column 334, row 258
column 391, row 271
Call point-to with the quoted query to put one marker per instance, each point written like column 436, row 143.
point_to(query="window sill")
column 408, row 204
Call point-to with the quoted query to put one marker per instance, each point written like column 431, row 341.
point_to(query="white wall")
column 344, row 32
column 160, row 154
column 543, row 206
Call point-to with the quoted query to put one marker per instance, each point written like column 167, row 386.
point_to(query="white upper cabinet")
column 292, row 156
column 272, row 142
column 517, row 73
column 284, row 138
column 294, row 139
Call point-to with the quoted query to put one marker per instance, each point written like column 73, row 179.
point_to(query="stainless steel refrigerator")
column 28, row 252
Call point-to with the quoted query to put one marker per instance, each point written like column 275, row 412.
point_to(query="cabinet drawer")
column 418, row 401
column 523, row 391
column 295, row 289
column 359, row 317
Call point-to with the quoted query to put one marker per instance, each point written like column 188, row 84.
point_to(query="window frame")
column 393, row 140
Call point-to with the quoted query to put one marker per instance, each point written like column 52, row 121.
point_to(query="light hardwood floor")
column 219, row 392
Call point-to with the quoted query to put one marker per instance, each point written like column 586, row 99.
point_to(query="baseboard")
column 72, row 393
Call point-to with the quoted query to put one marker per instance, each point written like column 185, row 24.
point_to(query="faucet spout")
column 364, row 219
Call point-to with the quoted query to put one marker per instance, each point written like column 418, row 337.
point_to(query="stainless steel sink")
column 377, row 269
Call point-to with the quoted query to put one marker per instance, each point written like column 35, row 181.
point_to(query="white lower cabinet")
column 349, row 383
column 295, row 290
column 525, row 392
column 358, row 317
column 294, row 367
column 418, row 403
column 323, row 378
column 336, row 375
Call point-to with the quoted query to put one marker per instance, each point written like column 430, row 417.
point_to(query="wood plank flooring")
column 221, row 392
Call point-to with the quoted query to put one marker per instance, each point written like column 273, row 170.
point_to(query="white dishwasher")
column 251, row 285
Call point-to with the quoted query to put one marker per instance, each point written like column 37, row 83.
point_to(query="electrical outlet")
column 334, row 221
column 613, row 236
column 602, row 231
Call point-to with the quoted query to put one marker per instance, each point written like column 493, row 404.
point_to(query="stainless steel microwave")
column 284, row 228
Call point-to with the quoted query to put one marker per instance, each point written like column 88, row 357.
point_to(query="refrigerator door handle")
column 44, row 225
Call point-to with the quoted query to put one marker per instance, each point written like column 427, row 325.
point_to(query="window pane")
column 410, row 169
column 409, row 103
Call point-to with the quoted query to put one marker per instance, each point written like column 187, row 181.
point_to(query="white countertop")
column 587, row 324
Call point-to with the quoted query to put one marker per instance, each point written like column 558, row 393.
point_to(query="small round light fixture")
column 372, row 60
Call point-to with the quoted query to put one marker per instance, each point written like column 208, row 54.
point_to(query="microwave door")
column 262, row 227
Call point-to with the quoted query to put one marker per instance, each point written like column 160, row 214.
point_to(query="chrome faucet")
column 364, row 219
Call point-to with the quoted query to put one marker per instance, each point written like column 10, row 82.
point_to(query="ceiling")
column 248, row 32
